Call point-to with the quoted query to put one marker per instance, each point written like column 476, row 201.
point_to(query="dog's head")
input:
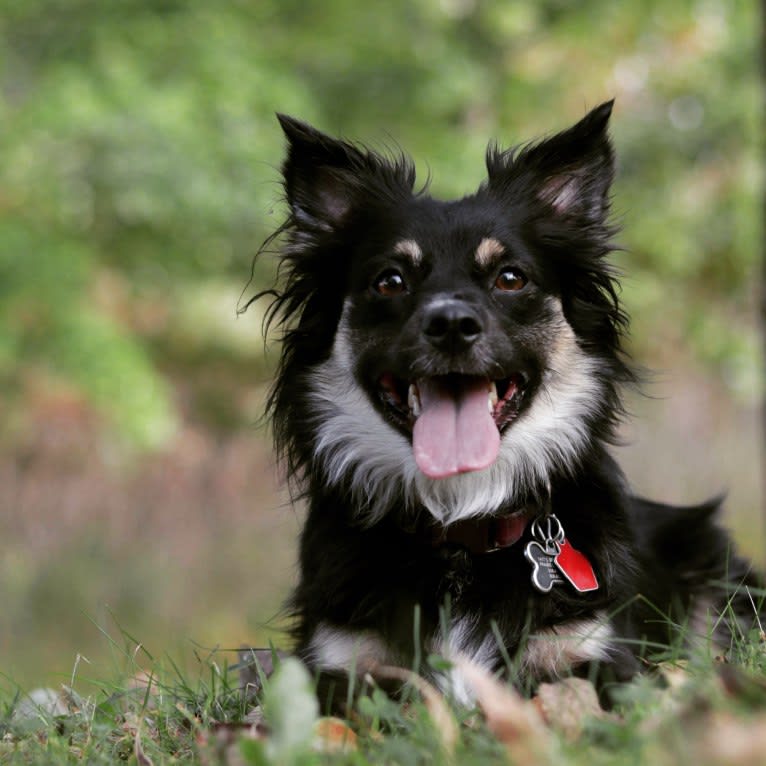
column 456, row 354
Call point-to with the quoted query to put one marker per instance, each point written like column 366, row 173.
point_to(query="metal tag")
column 552, row 556
column 544, row 573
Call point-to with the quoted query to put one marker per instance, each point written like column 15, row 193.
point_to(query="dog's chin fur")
column 356, row 449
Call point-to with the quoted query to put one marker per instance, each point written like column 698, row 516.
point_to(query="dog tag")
column 542, row 557
column 550, row 553
column 576, row 568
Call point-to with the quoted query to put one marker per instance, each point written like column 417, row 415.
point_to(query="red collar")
column 483, row 535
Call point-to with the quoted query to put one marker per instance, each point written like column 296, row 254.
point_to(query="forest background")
column 139, row 160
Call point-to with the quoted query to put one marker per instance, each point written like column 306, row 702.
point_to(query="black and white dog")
column 450, row 378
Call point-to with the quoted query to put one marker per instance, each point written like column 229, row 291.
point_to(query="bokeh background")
column 139, row 155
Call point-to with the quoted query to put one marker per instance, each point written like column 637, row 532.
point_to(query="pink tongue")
column 455, row 431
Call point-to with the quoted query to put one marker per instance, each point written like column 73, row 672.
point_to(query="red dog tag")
column 576, row 568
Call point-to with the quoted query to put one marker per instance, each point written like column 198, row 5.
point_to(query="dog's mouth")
column 455, row 420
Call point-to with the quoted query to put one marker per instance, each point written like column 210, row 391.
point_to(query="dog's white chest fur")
column 549, row 653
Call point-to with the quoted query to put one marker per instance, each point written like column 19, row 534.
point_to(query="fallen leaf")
column 256, row 717
column 737, row 683
column 221, row 742
column 733, row 741
column 144, row 683
column 567, row 704
column 42, row 702
column 255, row 665
column 142, row 759
column 333, row 735
column 676, row 674
column 514, row 720
column 437, row 708
column 35, row 710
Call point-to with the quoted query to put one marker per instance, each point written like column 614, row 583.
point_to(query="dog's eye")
column 390, row 283
column 510, row 280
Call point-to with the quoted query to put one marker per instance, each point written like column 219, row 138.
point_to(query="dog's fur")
column 384, row 286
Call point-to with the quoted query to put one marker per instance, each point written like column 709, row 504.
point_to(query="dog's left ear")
column 570, row 172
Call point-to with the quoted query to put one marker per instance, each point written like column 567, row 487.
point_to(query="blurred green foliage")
column 139, row 156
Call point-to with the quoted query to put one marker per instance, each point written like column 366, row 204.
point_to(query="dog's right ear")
column 325, row 178
column 319, row 174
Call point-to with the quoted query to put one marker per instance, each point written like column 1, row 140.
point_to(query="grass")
column 704, row 710
column 199, row 543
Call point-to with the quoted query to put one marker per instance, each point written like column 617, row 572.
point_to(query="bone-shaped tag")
column 544, row 573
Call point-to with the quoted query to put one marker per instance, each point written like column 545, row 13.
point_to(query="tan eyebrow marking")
column 489, row 250
column 411, row 249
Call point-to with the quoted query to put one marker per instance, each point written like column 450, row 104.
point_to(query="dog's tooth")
column 492, row 397
column 413, row 399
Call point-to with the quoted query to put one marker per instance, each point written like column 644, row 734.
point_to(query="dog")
column 450, row 382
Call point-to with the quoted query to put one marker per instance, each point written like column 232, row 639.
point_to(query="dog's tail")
column 694, row 572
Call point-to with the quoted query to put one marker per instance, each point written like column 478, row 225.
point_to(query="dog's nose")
column 452, row 324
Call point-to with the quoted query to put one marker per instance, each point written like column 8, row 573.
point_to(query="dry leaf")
column 333, row 735
column 734, row 741
column 41, row 702
column 256, row 664
column 256, row 717
column 142, row 759
column 144, row 683
column 44, row 703
column 713, row 738
column 567, row 704
column 515, row 721
column 221, row 742
column 432, row 699
column 741, row 685
column 676, row 673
